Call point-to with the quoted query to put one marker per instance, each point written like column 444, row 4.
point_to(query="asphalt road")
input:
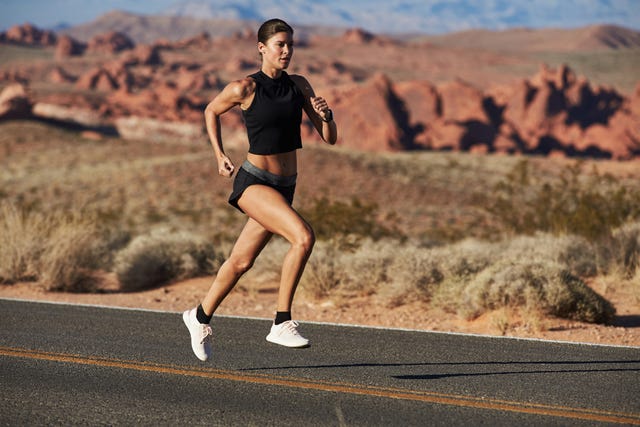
column 79, row 365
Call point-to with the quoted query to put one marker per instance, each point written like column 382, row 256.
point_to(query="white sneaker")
column 287, row 335
column 200, row 335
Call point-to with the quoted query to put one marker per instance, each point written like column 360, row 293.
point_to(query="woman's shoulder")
column 297, row 78
column 241, row 88
column 302, row 83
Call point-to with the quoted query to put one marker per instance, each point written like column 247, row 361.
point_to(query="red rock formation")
column 110, row 43
column 142, row 55
column 424, row 104
column 76, row 114
column 368, row 116
column 163, row 102
column 97, row 78
column 59, row 75
column 14, row 76
column 240, row 64
column 555, row 111
column 360, row 36
column 15, row 102
column 121, row 76
column 194, row 81
column 357, row 35
column 28, row 34
column 620, row 137
column 461, row 102
column 201, row 41
column 67, row 46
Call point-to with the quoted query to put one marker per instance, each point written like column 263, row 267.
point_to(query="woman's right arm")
column 235, row 93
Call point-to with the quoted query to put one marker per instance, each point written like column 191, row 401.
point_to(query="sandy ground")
column 370, row 310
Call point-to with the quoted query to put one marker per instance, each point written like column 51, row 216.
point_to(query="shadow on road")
column 591, row 367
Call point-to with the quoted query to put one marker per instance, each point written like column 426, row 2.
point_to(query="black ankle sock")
column 282, row 316
column 203, row 317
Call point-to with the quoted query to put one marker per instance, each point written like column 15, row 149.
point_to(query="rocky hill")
column 599, row 37
column 377, row 86
column 148, row 29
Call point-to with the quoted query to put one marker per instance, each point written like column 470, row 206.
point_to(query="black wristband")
column 329, row 116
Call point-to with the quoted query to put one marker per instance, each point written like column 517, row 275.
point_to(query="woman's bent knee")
column 305, row 239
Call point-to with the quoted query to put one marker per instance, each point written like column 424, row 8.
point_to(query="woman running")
column 271, row 102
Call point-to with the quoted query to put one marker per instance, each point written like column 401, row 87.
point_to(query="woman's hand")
column 320, row 106
column 318, row 111
column 225, row 167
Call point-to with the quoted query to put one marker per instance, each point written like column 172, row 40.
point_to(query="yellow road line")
column 338, row 387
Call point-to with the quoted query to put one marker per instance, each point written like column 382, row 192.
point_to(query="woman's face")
column 278, row 50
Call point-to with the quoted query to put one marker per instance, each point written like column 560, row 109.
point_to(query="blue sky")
column 433, row 16
column 48, row 13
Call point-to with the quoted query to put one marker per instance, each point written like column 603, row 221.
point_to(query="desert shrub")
column 591, row 207
column 465, row 258
column 534, row 286
column 569, row 297
column 324, row 272
column 530, row 272
column 333, row 271
column 56, row 249
column 538, row 273
column 367, row 267
column 414, row 273
column 162, row 256
column 345, row 223
column 575, row 253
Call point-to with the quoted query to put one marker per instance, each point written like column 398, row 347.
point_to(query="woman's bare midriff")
column 283, row 164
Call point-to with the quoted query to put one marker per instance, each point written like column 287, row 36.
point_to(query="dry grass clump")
column 359, row 271
column 535, row 273
column 20, row 245
column 161, row 256
column 624, row 250
column 71, row 254
column 589, row 205
column 58, row 250
column 347, row 223
column 325, row 271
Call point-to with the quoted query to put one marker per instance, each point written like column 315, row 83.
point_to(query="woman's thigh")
column 271, row 210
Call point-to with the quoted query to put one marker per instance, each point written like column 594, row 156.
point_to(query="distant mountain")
column 421, row 16
column 590, row 38
column 148, row 29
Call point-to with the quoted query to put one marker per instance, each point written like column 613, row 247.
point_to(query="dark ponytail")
column 271, row 27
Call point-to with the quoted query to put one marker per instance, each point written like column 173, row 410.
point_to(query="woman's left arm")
column 318, row 111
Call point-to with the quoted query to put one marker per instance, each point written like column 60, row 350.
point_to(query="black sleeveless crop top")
column 274, row 116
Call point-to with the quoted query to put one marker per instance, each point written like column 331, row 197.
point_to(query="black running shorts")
column 248, row 174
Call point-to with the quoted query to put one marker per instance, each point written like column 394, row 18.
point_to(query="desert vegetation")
column 467, row 233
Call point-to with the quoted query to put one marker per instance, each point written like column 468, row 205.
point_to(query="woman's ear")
column 261, row 47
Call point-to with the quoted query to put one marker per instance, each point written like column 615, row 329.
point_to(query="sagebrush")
column 590, row 205
column 536, row 273
column 162, row 256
